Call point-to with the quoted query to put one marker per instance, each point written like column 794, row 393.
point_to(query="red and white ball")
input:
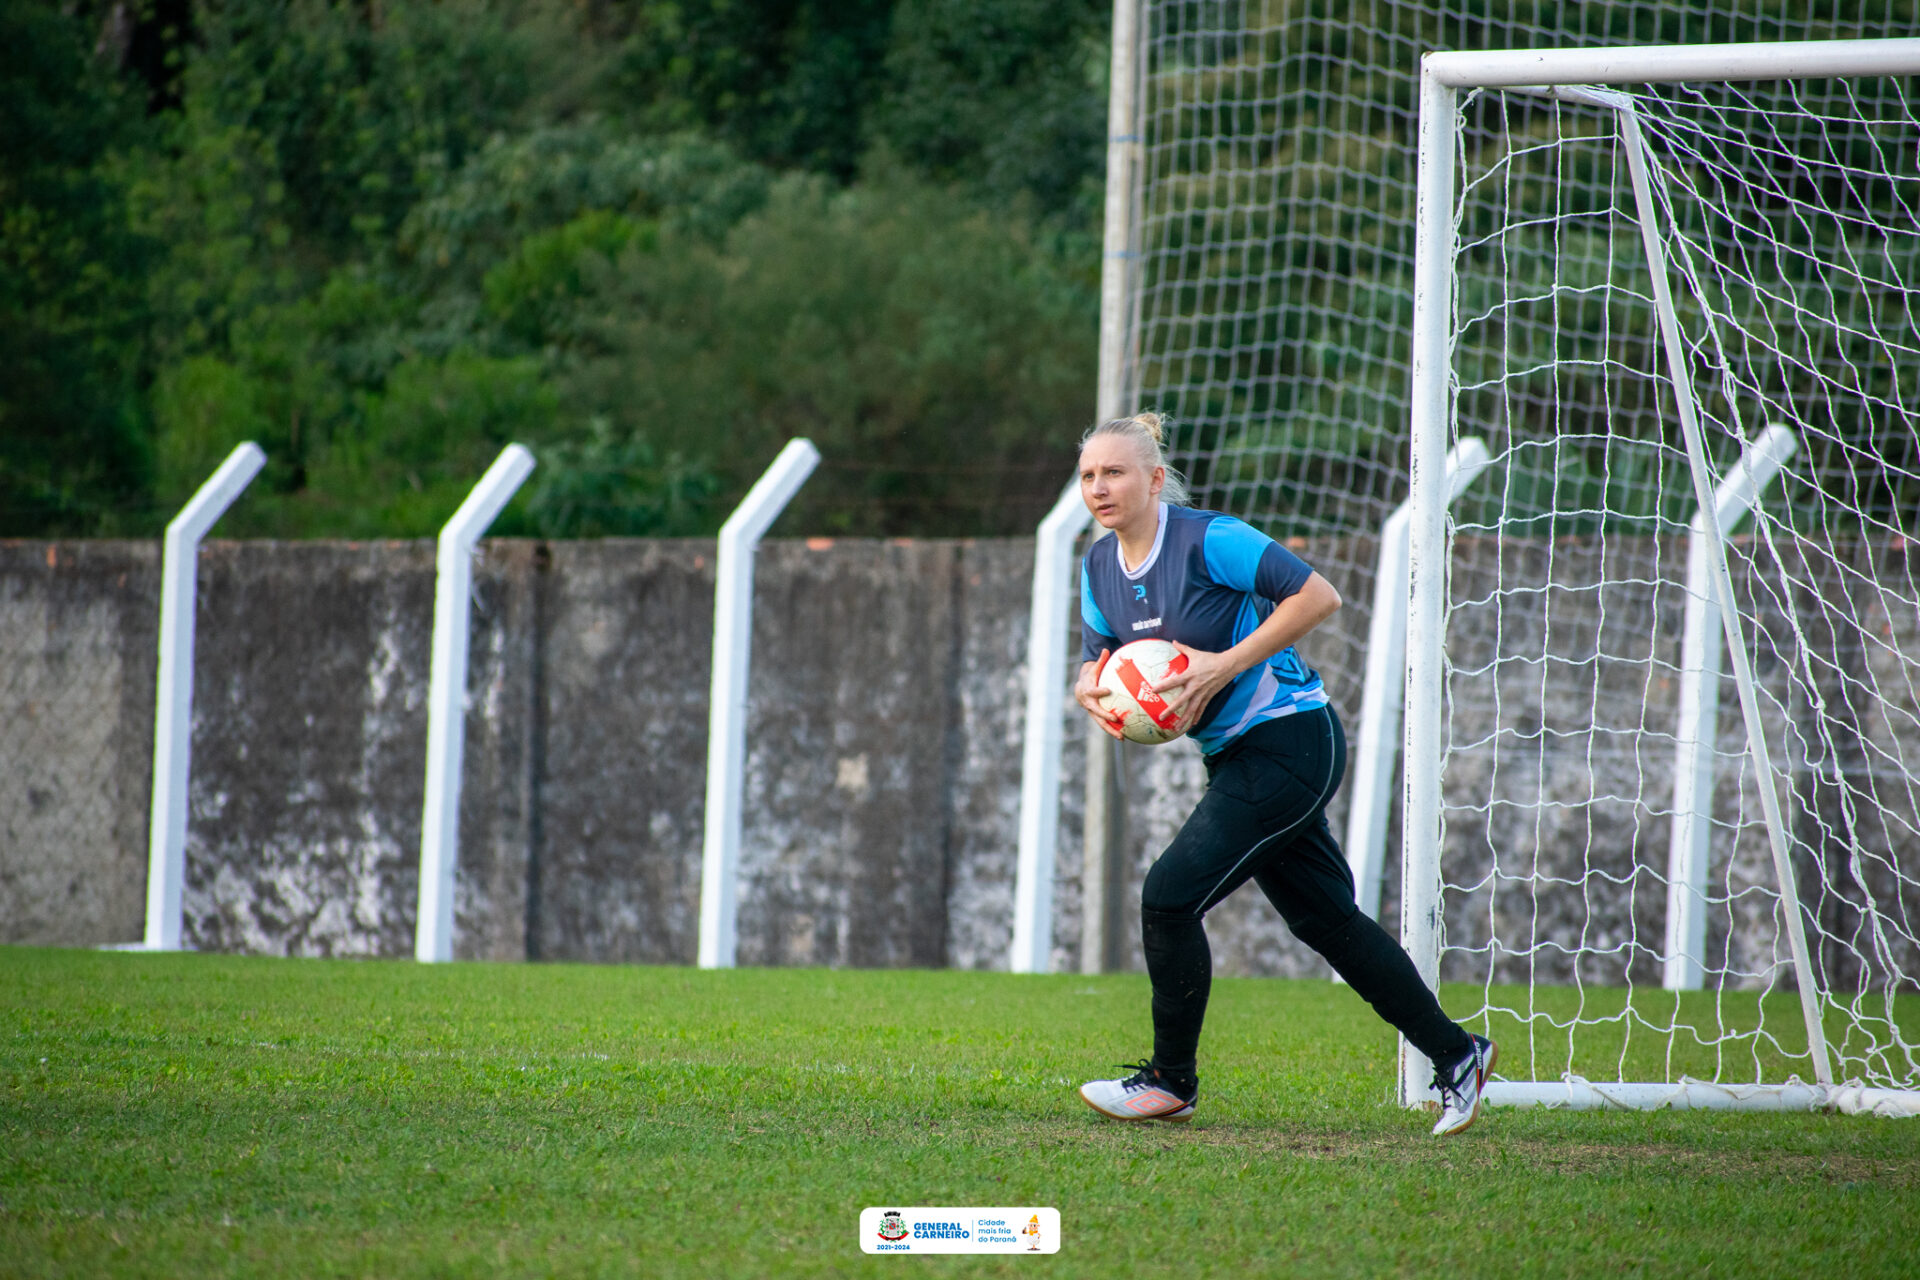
column 1127, row 680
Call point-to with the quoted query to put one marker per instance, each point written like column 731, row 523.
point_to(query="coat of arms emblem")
column 892, row 1225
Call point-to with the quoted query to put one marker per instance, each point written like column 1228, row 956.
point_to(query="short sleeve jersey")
column 1209, row 581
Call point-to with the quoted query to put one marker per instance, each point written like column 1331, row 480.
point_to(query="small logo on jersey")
column 1148, row 625
column 1139, row 591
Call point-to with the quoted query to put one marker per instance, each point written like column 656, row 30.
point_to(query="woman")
column 1235, row 602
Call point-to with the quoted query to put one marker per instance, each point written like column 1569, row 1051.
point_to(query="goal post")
column 1633, row 266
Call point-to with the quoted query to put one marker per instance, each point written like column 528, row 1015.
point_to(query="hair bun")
column 1151, row 421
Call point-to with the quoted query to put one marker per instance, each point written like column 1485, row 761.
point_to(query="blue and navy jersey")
column 1208, row 582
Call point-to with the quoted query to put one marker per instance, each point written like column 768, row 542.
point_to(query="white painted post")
column 1700, row 646
column 447, row 699
column 1053, row 582
column 173, row 700
column 1378, row 733
column 727, row 713
column 1430, row 401
column 1104, row 809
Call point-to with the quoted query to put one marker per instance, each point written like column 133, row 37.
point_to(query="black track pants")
column 1263, row 819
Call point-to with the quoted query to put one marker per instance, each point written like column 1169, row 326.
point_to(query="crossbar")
column 1671, row 64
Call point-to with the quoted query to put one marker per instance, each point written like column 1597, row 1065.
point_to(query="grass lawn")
column 190, row 1115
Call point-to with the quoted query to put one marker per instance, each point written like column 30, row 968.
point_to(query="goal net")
column 1661, row 799
column 1612, row 898
column 1268, row 310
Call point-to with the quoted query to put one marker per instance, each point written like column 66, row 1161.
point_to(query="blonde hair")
column 1147, row 433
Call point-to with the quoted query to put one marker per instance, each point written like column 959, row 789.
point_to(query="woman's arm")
column 1209, row 673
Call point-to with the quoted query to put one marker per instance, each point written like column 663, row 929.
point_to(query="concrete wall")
column 882, row 783
column 882, row 772
column 79, row 626
column 884, row 751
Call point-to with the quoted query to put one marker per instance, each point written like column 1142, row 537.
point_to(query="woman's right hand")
column 1088, row 693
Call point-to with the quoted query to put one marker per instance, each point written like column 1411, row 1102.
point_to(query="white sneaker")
column 1460, row 1096
column 1140, row 1096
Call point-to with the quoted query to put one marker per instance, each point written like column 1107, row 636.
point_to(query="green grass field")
column 187, row 1115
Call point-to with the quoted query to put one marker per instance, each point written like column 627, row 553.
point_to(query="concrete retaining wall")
column 79, row 628
column 883, row 767
column 883, row 764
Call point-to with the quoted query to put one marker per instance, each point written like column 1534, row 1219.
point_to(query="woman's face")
column 1115, row 482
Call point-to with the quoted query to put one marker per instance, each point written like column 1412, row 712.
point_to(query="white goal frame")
column 1580, row 75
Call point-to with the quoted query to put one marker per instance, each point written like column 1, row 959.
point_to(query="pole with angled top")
column 1700, row 648
column 727, row 713
column 173, row 704
column 1378, row 735
column 1040, row 763
column 447, row 699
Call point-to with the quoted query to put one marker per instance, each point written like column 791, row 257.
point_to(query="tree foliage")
column 787, row 82
column 75, row 446
column 651, row 240
column 655, row 238
column 1009, row 96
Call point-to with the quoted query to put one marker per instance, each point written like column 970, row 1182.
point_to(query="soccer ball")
column 1147, row 717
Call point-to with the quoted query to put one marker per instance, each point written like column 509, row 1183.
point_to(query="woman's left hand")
column 1188, row 692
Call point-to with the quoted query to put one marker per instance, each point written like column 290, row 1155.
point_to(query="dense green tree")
column 786, row 81
column 381, row 240
column 1004, row 97
column 289, row 300
column 74, row 453
column 358, row 118
column 607, row 485
column 479, row 285
column 938, row 354
column 548, row 175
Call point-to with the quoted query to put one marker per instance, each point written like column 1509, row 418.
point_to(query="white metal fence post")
column 1032, row 950
column 173, row 702
column 1691, row 837
column 446, row 699
column 1378, row 732
column 727, row 711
